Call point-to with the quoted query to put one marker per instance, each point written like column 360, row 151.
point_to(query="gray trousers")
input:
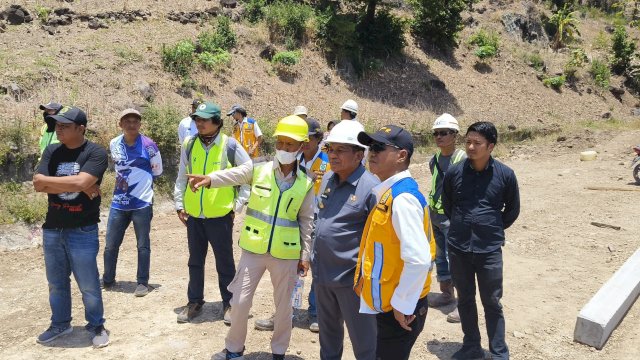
column 338, row 306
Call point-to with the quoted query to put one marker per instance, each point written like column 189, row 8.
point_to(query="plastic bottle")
column 298, row 291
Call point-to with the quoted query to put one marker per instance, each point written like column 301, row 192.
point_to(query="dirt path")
column 554, row 262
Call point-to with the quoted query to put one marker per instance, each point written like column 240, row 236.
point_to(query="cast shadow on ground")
column 443, row 350
column 129, row 287
column 211, row 311
column 263, row 355
column 79, row 338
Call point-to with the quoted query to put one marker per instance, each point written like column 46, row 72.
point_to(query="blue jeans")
column 440, row 226
column 74, row 251
column 312, row 311
column 118, row 223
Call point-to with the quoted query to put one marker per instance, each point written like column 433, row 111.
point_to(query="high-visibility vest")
column 379, row 263
column 211, row 202
column 245, row 134
column 436, row 203
column 271, row 223
column 321, row 166
column 47, row 138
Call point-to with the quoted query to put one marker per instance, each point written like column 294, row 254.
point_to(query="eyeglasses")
column 380, row 147
column 442, row 133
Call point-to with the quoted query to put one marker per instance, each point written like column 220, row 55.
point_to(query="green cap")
column 207, row 110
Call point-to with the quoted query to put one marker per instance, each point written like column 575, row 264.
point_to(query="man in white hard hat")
column 343, row 205
column 349, row 110
column 445, row 130
column 301, row 111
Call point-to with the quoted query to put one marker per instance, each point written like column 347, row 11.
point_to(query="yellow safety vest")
column 436, row 204
column 379, row 263
column 271, row 223
column 320, row 165
column 211, row 202
column 246, row 135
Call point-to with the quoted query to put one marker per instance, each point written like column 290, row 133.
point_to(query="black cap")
column 237, row 108
column 67, row 115
column 51, row 106
column 389, row 135
column 314, row 126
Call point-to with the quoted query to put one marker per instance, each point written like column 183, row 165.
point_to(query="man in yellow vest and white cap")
column 275, row 236
column 445, row 131
column 393, row 275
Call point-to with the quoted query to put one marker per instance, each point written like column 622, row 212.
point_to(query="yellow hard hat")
column 294, row 127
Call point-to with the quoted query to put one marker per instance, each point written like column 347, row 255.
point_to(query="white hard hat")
column 351, row 106
column 446, row 121
column 300, row 110
column 346, row 132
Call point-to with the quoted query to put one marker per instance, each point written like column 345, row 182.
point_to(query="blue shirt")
column 480, row 205
column 135, row 166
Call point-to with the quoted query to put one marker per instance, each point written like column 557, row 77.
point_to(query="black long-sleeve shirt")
column 480, row 205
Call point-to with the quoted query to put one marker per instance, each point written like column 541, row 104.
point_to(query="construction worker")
column 393, row 276
column 315, row 163
column 445, row 131
column 208, row 213
column 47, row 133
column 246, row 130
column 480, row 196
column 343, row 205
column 187, row 126
column 301, row 111
column 349, row 110
column 276, row 234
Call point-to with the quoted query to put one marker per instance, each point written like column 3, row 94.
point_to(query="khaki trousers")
column 283, row 277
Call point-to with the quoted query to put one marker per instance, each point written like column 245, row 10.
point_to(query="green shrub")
column 600, row 73
column 555, row 82
column 622, row 49
column 160, row 123
column 21, row 204
column 287, row 58
column 566, row 25
column 535, row 61
column 129, row 55
column 254, row 10
column 287, row 19
column 215, row 61
column 485, row 52
column 438, row 21
column 487, row 43
column 42, row 12
column 577, row 60
column 384, row 37
column 601, row 41
column 178, row 59
column 222, row 38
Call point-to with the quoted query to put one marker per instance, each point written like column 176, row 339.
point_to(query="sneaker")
column 100, row 337
column 454, row 316
column 227, row 355
column 106, row 285
column 313, row 324
column 264, row 324
column 191, row 311
column 469, row 353
column 227, row 315
column 53, row 333
column 141, row 290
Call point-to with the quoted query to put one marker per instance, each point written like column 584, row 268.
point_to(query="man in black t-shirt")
column 71, row 172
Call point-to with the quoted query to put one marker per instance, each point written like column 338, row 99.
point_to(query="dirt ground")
column 554, row 262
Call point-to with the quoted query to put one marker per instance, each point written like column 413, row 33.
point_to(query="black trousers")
column 487, row 268
column 218, row 233
column 394, row 342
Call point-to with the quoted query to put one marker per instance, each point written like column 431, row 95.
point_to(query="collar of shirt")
column 215, row 141
column 489, row 164
column 280, row 176
column 352, row 179
column 380, row 189
column 307, row 164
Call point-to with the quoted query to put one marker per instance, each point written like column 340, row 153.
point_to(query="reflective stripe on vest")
column 436, row 204
column 245, row 134
column 380, row 265
column 271, row 224
column 210, row 202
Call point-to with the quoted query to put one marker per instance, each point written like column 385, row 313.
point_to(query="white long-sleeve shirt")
column 187, row 127
column 407, row 217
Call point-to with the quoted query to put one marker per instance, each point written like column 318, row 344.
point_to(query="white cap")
column 446, row 121
column 346, row 132
column 351, row 106
column 300, row 110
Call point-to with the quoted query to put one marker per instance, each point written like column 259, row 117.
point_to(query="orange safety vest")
column 246, row 135
column 379, row 263
column 320, row 166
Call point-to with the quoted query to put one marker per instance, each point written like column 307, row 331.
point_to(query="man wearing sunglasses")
column 445, row 131
column 393, row 275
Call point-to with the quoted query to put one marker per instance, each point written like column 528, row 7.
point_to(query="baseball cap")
column 130, row 112
column 300, row 110
column 51, row 106
column 314, row 126
column 389, row 135
column 207, row 110
column 67, row 115
column 235, row 108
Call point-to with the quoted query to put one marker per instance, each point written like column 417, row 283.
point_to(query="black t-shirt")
column 72, row 210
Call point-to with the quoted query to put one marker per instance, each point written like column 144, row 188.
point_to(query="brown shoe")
column 454, row 316
column 191, row 311
column 446, row 298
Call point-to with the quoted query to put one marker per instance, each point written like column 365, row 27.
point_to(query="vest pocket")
column 254, row 233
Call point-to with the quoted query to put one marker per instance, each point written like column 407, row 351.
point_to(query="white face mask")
column 285, row 157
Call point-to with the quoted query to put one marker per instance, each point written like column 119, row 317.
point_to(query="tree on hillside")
column 622, row 48
column 438, row 21
column 566, row 23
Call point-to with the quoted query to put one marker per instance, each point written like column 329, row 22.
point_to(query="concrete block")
column 602, row 314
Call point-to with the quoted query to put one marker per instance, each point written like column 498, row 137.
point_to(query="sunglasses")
column 442, row 133
column 380, row 147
